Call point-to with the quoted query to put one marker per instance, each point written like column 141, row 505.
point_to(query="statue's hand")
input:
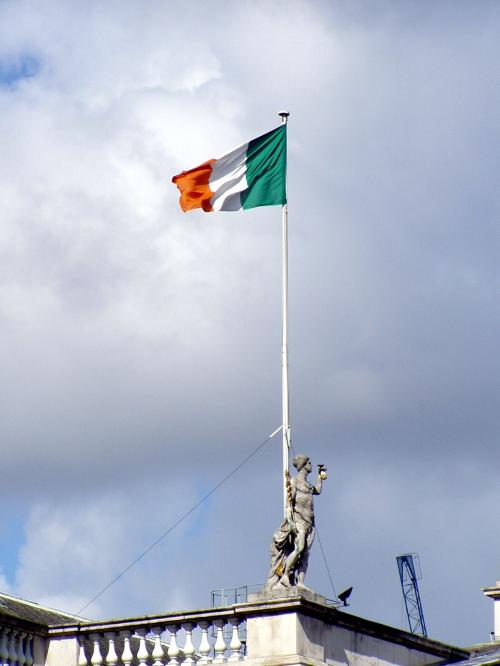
column 322, row 472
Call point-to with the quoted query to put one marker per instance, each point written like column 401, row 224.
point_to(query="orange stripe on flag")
column 194, row 187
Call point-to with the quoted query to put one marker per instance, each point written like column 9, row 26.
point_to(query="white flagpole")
column 284, row 349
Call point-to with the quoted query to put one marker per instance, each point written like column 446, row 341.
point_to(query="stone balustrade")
column 293, row 627
column 208, row 637
column 15, row 647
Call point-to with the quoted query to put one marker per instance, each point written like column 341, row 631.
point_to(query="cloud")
column 98, row 538
column 72, row 551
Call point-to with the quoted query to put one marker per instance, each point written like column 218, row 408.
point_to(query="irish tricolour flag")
column 252, row 175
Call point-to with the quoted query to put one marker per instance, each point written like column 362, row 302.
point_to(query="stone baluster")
column 188, row 648
column 4, row 646
column 158, row 654
column 28, row 651
column 96, row 659
column 220, row 643
column 111, row 657
column 142, row 653
column 20, row 648
column 127, row 655
column 173, row 648
column 82, row 657
column 235, row 643
column 12, row 648
column 204, row 648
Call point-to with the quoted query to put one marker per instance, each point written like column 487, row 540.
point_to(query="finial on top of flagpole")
column 284, row 115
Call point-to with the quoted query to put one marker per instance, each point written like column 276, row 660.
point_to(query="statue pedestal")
column 287, row 593
column 286, row 628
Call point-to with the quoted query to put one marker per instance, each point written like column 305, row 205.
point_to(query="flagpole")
column 284, row 348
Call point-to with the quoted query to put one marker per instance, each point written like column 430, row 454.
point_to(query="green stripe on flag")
column 266, row 170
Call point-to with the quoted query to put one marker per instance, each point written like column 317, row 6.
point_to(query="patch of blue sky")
column 196, row 525
column 14, row 69
column 12, row 538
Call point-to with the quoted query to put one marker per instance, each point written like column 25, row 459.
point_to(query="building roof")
column 16, row 608
column 485, row 654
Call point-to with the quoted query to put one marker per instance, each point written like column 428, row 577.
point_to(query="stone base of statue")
column 288, row 593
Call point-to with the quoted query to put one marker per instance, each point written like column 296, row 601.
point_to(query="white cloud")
column 73, row 550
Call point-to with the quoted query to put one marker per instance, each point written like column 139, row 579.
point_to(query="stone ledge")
column 285, row 660
column 287, row 593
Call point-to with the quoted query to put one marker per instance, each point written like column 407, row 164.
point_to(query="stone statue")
column 292, row 541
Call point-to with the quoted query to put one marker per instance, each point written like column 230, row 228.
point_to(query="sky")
column 140, row 347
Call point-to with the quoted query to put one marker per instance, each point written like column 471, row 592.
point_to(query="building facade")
column 295, row 628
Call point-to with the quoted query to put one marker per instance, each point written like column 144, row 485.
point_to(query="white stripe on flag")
column 228, row 179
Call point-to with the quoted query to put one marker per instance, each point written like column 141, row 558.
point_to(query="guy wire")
column 180, row 520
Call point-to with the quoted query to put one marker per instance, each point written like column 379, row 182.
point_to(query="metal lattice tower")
column 409, row 584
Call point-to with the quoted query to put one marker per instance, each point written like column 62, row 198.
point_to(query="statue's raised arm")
column 319, row 481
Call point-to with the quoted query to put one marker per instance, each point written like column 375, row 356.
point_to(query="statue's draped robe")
column 281, row 547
